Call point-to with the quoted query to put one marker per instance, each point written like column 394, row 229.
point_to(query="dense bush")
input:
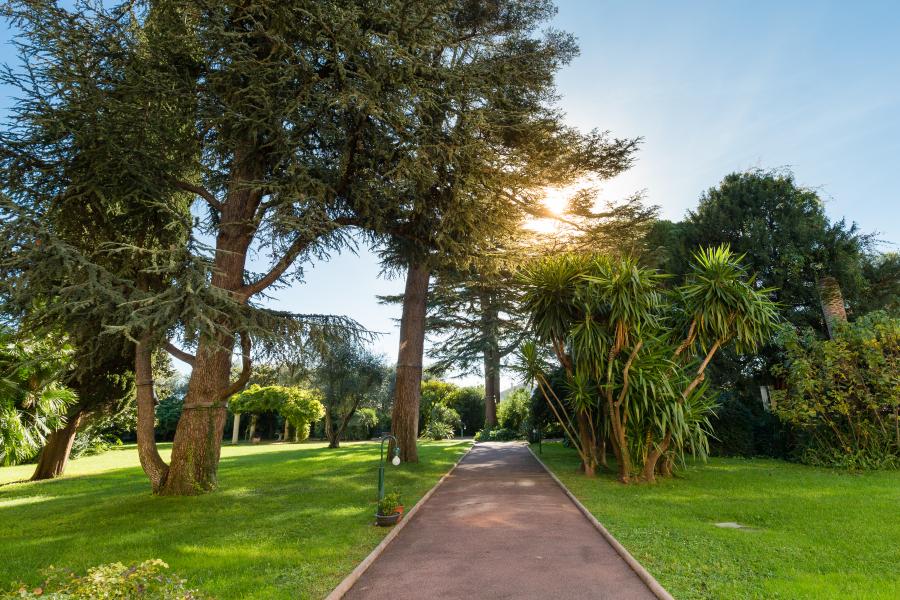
column 469, row 403
column 498, row 435
column 146, row 581
column 442, row 423
column 437, row 430
column 843, row 395
column 514, row 412
column 743, row 427
column 362, row 424
column 168, row 412
column 732, row 428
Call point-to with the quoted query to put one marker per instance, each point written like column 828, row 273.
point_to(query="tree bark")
column 334, row 440
column 832, row 303
column 589, row 461
column 407, row 394
column 198, row 437
column 489, row 318
column 55, row 454
column 236, row 429
column 154, row 466
column 491, row 390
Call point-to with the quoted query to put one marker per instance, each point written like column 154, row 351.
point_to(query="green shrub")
column 515, row 412
column 361, row 425
column 441, row 423
column 389, row 504
column 732, row 428
column 86, row 444
column 438, row 431
column 498, row 435
column 843, row 395
column 146, row 581
column 469, row 403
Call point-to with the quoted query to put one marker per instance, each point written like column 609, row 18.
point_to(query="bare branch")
column 178, row 353
column 277, row 270
column 200, row 191
column 246, row 369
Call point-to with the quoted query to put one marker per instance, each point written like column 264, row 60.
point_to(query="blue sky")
column 712, row 87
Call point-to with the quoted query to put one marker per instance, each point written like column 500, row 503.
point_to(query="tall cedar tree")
column 237, row 130
column 483, row 134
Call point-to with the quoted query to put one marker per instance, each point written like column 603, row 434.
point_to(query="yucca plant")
column 634, row 354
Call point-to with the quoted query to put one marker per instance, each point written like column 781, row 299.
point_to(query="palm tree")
column 634, row 354
column 32, row 400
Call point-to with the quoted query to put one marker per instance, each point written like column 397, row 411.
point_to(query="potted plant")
column 389, row 510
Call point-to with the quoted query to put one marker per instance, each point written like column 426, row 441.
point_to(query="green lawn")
column 815, row 534
column 289, row 521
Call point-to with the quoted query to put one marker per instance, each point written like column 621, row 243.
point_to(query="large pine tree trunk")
column 405, row 415
column 491, row 388
column 153, row 464
column 832, row 303
column 55, row 453
column 489, row 319
column 198, row 437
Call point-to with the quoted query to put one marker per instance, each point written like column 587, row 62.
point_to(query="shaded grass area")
column 288, row 521
column 813, row 533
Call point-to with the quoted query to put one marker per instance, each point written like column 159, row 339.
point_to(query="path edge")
column 350, row 580
column 658, row 590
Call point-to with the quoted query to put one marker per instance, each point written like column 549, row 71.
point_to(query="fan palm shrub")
column 635, row 353
column 33, row 402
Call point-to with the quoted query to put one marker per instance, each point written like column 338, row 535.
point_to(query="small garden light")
column 394, row 461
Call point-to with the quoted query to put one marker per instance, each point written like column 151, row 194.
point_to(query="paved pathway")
column 499, row 527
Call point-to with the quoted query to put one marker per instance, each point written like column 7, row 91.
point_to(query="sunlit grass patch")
column 811, row 533
column 289, row 520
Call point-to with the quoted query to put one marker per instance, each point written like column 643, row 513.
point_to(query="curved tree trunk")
column 152, row 463
column 198, row 438
column 832, row 303
column 407, row 394
column 55, row 453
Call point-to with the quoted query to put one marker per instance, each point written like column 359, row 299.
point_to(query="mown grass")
column 288, row 521
column 814, row 533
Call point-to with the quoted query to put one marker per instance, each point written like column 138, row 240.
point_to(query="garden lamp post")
column 394, row 461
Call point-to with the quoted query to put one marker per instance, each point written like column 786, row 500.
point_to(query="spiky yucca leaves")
column 635, row 355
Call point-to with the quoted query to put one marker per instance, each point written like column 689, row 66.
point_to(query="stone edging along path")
column 637, row 567
column 344, row 586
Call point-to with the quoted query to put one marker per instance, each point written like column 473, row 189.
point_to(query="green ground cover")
column 814, row 533
column 289, row 520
